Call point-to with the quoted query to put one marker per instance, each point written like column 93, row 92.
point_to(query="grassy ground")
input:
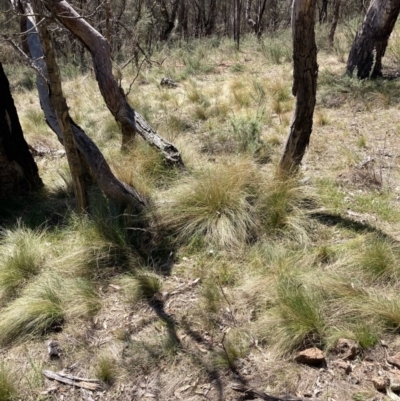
column 233, row 269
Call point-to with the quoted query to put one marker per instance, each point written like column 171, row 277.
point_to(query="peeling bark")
column 131, row 121
column 305, row 72
column 371, row 40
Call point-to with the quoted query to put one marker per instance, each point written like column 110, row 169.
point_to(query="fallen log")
column 88, row 384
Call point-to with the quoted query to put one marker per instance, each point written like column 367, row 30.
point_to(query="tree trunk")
column 256, row 24
column 305, row 72
column 115, row 190
column 131, row 121
column 59, row 105
column 323, row 12
column 18, row 170
column 334, row 22
column 371, row 40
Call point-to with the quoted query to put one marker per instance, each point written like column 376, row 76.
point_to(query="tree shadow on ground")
column 353, row 225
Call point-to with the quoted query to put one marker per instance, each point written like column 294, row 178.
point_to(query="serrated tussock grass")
column 215, row 203
column 44, row 305
column 22, row 255
column 141, row 285
column 232, row 204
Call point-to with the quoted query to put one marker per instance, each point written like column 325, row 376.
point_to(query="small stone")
column 347, row 349
column 310, row 356
column 53, row 349
column 380, row 382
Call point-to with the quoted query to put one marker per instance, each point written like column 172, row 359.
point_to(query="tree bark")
column 323, row 13
column 334, row 22
column 371, row 40
column 59, row 105
column 18, row 170
column 256, row 23
column 305, row 72
column 115, row 190
column 131, row 121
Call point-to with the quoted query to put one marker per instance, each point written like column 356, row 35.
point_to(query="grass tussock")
column 215, row 203
column 8, row 385
column 105, row 369
column 22, row 256
column 143, row 285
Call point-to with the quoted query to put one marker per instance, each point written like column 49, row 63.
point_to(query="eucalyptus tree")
column 372, row 38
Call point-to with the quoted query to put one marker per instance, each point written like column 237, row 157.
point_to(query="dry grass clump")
column 105, row 368
column 376, row 258
column 143, row 168
column 22, row 255
column 38, row 309
column 282, row 206
column 8, row 385
column 43, row 306
column 214, row 203
column 297, row 318
column 142, row 285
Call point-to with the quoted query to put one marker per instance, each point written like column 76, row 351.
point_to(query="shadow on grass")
column 353, row 225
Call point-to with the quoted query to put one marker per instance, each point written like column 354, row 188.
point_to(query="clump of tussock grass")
column 38, row 309
column 91, row 245
column 215, row 203
column 297, row 319
column 144, row 169
column 44, row 304
column 241, row 92
column 247, row 132
column 142, row 285
column 22, row 256
column 8, row 385
column 376, row 258
column 282, row 207
column 105, row 369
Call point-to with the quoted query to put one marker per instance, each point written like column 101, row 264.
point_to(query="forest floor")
column 233, row 270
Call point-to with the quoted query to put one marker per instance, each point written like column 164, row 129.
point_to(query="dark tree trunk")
column 305, row 72
column 18, row 170
column 334, row 22
column 323, row 12
column 256, row 22
column 371, row 40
